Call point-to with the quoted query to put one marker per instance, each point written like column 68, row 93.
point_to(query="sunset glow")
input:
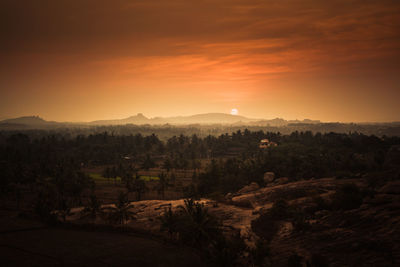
column 88, row 60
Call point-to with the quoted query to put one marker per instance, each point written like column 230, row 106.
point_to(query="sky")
column 70, row 60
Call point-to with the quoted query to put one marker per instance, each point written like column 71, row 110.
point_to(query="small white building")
column 265, row 143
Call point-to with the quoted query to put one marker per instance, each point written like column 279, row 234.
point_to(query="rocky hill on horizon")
column 140, row 119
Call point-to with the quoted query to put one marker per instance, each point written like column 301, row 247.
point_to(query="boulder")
column 259, row 210
column 245, row 201
column 269, row 177
column 249, row 188
column 228, row 196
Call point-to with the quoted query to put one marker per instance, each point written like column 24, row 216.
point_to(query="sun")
column 234, row 111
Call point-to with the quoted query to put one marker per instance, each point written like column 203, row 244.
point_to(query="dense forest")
column 220, row 163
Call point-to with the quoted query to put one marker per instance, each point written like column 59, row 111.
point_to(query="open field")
column 97, row 177
column 107, row 189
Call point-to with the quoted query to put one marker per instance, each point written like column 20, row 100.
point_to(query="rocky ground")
column 365, row 236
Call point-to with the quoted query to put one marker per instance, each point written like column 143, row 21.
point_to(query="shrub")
column 260, row 252
column 317, row 260
column 299, row 221
column 280, row 210
column 295, row 261
column 347, row 197
column 265, row 227
column 226, row 251
column 45, row 204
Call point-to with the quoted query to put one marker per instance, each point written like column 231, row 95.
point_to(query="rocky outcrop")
column 249, row 188
column 367, row 234
column 245, row 201
column 269, row 177
column 282, row 180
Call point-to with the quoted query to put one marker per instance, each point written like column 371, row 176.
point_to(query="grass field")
column 99, row 178
column 149, row 178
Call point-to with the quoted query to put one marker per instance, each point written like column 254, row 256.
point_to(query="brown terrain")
column 368, row 235
column 365, row 236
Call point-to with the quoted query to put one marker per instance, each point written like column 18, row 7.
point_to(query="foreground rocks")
column 249, row 188
column 365, row 236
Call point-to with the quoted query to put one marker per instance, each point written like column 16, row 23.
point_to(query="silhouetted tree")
column 121, row 213
column 163, row 184
column 93, row 208
column 139, row 186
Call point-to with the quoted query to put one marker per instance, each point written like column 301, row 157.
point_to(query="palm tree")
column 64, row 208
column 114, row 174
column 148, row 163
column 107, row 173
column 127, row 178
column 170, row 222
column 199, row 226
column 163, row 183
column 93, row 209
column 138, row 186
column 121, row 212
column 167, row 164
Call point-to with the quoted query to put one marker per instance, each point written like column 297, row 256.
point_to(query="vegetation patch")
column 97, row 177
column 149, row 178
column 100, row 178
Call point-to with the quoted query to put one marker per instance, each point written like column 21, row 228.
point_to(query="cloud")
column 230, row 46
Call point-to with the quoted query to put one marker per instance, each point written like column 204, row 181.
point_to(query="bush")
column 295, row 261
column 265, row 227
column 225, row 251
column 45, row 204
column 260, row 252
column 299, row 221
column 347, row 197
column 317, row 260
column 280, row 210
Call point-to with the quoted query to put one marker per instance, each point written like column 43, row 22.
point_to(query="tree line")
column 234, row 159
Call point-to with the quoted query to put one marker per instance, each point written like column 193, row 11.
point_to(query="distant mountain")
column 139, row 119
column 28, row 122
column 31, row 122
column 208, row 118
column 305, row 121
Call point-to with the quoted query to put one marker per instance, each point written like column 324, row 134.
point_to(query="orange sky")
column 333, row 60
